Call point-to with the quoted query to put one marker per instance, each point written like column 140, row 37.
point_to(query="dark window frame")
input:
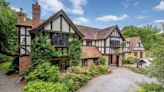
column 88, row 43
column 95, row 61
column 59, row 39
column 84, row 63
column 114, row 43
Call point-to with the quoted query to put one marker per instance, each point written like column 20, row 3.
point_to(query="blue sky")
column 100, row 13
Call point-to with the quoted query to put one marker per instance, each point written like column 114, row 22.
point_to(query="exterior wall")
column 126, row 54
column 25, row 62
column 90, row 63
column 113, row 60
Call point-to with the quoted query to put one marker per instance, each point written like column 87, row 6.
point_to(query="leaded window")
column 114, row 43
column 59, row 39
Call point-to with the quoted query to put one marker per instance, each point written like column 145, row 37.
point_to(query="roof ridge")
column 88, row 27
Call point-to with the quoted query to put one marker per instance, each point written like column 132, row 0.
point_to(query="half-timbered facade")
column 96, row 42
column 134, row 46
column 108, row 41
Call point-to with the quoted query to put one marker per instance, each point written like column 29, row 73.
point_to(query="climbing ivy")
column 75, row 51
column 41, row 49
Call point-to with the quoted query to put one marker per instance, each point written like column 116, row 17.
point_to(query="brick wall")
column 25, row 62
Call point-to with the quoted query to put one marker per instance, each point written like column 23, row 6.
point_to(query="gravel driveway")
column 120, row 80
column 8, row 83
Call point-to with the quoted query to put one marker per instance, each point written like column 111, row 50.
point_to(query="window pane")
column 28, row 48
column 60, row 39
column 22, row 51
column 28, row 40
column 22, row 31
column 22, row 40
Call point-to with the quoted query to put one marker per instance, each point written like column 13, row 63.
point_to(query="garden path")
column 9, row 83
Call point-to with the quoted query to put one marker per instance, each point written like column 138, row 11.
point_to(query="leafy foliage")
column 156, row 68
column 44, row 72
column 129, row 59
column 75, row 51
column 43, row 86
column 150, row 87
column 8, row 32
column 41, row 49
column 5, row 66
column 5, row 58
column 79, row 76
column 98, row 70
column 147, row 33
column 102, row 60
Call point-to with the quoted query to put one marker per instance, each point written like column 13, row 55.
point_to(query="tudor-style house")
column 135, row 47
column 105, row 42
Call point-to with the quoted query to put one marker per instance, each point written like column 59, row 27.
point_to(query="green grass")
column 5, row 66
column 136, row 70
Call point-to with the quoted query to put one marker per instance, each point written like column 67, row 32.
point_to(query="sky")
column 100, row 13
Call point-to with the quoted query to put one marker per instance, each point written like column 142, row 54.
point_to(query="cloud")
column 77, row 7
column 51, row 6
column 141, row 17
column 81, row 20
column 159, row 7
column 158, row 21
column 126, row 3
column 136, row 3
column 112, row 18
column 15, row 9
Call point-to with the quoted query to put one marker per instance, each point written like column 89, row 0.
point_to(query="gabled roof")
column 53, row 17
column 91, row 33
column 133, row 42
column 90, row 52
column 88, row 32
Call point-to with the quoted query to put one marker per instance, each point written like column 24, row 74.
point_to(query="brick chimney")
column 35, row 14
column 21, row 16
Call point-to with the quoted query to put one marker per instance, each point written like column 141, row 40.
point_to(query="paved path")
column 8, row 83
column 120, row 80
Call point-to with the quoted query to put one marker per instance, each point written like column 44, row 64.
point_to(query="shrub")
column 45, row 72
column 41, row 49
column 102, row 60
column 78, row 76
column 79, row 70
column 14, row 67
column 98, row 70
column 129, row 60
column 5, row 58
column 75, row 51
column 5, row 66
column 150, row 87
column 42, row 86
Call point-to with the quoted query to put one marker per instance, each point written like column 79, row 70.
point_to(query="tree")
column 75, row 51
column 42, row 50
column 156, row 69
column 147, row 33
column 8, row 32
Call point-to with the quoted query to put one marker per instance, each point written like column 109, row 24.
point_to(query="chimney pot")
column 36, row 14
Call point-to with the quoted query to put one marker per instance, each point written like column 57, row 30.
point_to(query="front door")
column 110, row 60
column 117, row 60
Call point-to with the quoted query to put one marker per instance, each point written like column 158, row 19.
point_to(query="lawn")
column 5, row 65
column 136, row 70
